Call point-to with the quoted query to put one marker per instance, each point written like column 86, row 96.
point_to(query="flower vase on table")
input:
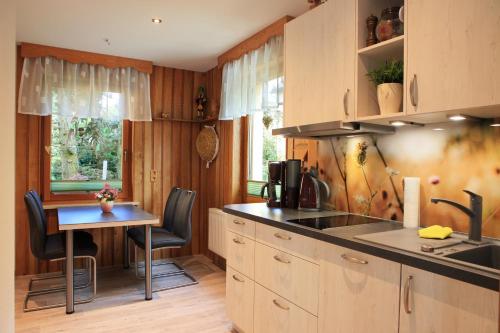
column 106, row 197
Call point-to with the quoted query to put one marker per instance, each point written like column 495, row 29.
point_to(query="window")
column 262, row 145
column 85, row 153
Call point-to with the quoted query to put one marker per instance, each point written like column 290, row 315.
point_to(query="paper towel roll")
column 412, row 202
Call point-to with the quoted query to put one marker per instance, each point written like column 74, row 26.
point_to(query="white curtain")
column 253, row 82
column 54, row 86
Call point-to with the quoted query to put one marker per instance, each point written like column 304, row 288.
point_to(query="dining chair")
column 175, row 233
column 53, row 248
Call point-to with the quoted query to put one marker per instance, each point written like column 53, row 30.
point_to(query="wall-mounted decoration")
column 315, row 3
column 201, row 103
column 207, row 144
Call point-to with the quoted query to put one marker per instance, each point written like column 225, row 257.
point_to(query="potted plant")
column 389, row 81
column 106, row 197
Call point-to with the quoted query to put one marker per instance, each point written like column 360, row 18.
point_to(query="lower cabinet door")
column 240, row 300
column 358, row 292
column 438, row 304
column 274, row 314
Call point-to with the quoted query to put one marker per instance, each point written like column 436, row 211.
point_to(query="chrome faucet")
column 475, row 213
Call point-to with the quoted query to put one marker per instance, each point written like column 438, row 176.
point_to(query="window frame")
column 49, row 196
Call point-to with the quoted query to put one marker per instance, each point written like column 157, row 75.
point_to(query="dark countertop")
column 345, row 236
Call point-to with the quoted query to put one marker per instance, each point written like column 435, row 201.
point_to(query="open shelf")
column 372, row 57
column 392, row 46
column 195, row 121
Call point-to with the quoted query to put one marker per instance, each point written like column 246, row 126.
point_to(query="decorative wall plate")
column 207, row 144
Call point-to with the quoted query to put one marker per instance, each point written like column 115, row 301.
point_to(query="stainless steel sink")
column 487, row 256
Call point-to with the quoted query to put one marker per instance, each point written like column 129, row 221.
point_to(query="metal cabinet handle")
column 237, row 241
column 354, row 260
column 413, row 93
column 281, row 306
column 235, row 278
column 284, row 261
column 238, row 222
column 346, row 105
column 281, row 236
column 408, row 284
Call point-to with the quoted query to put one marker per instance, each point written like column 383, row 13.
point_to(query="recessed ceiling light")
column 457, row 117
column 438, row 129
column 495, row 123
column 398, row 123
column 156, row 20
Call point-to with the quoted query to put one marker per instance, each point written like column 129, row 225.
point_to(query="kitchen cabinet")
column 438, row 304
column 274, row 314
column 291, row 277
column 357, row 292
column 320, row 65
column 453, row 55
column 240, row 300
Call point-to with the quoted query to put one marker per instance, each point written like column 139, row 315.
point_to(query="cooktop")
column 326, row 222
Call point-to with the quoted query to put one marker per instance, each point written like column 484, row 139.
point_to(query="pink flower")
column 107, row 186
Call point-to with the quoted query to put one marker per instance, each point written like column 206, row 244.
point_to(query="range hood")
column 333, row 128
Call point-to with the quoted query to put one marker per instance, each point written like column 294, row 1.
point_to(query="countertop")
column 346, row 237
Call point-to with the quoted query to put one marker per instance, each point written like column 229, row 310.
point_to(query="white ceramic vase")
column 390, row 97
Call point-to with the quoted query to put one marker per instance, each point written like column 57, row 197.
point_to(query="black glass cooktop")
column 334, row 221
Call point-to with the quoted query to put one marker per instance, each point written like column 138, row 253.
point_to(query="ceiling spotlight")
column 438, row 129
column 156, row 20
column 457, row 117
column 398, row 123
column 495, row 123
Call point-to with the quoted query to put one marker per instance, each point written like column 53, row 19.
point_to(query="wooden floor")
column 120, row 305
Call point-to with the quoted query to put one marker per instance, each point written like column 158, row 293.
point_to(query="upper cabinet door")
column 453, row 54
column 340, row 62
column 304, row 69
column 319, row 64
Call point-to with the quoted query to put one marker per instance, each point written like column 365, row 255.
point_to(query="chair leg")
column 92, row 275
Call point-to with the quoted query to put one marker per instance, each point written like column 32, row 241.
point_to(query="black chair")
column 53, row 248
column 175, row 232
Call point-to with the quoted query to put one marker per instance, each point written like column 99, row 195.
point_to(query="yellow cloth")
column 435, row 231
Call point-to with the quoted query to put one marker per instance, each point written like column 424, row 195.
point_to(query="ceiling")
column 192, row 35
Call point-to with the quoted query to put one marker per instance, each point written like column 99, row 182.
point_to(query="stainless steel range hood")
column 333, row 128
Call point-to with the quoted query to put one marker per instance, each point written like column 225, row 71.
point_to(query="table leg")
column 125, row 248
column 147, row 262
column 70, row 297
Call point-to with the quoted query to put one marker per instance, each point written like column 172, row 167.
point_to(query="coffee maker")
column 286, row 176
column 276, row 178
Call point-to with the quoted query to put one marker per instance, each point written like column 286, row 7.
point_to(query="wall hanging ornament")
column 201, row 103
column 207, row 144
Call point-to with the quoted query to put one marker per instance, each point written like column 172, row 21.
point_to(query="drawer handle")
column 237, row 241
column 235, row 278
column 407, row 294
column 284, row 261
column 281, row 236
column 238, row 222
column 354, row 260
column 281, row 306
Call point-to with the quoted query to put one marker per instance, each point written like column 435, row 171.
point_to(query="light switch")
column 154, row 175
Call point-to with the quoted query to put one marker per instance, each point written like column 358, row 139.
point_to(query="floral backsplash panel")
column 369, row 171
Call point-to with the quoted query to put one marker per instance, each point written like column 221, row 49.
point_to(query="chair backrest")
column 38, row 223
column 169, row 212
column 181, row 226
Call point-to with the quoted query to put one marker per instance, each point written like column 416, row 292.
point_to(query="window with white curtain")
column 253, row 86
column 88, row 107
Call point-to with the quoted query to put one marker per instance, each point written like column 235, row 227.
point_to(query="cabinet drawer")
column 240, row 253
column 277, row 315
column 291, row 277
column 240, row 300
column 298, row 245
column 241, row 226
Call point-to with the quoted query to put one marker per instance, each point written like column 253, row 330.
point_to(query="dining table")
column 71, row 218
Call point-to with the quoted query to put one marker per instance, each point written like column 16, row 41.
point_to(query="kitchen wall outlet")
column 153, row 176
